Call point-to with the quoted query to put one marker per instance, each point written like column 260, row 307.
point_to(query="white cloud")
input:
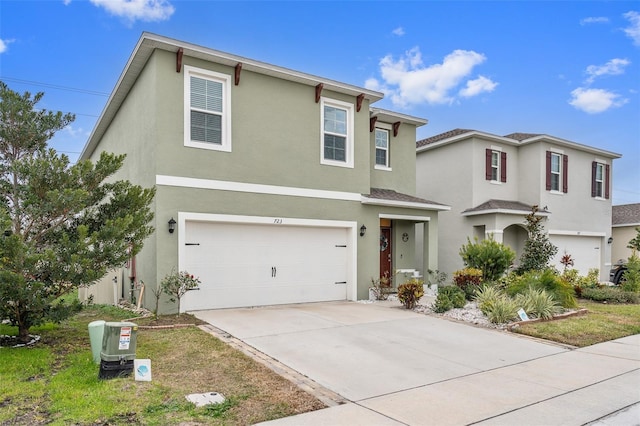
column 408, row 81
column 594, row 101
column 633, row 30
column 398, row 32
column 613, row 67
column 594, row 20
column 477, row 86
column 134, row 10
column 4, row 45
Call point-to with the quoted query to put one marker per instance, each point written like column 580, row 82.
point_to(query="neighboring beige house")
column 492, row 181
column 273, row 186
column 624, row 221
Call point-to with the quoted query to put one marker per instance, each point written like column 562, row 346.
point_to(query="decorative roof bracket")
column 372, row 123
column 179, row 54
column 359, row 100
column 237, row 73
column 396, row 127
column 319, row 91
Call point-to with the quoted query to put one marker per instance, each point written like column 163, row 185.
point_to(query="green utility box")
column 118, row 349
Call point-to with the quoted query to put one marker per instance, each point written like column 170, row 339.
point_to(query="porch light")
column 363, row 230
column 610, row 240
column 172, row 225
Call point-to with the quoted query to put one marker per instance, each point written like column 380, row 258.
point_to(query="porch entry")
column 385, row 248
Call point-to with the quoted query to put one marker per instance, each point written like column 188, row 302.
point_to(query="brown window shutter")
column 594, row 168
column 606, row 181
column 548, row 170
column 503, row 167
column 487, row 169
column 565, row 173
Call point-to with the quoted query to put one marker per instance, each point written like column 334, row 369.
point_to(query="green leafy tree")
column 62, row 225
column 491, row 257
column 538, row 250
column 631, row 277
column 634, row 244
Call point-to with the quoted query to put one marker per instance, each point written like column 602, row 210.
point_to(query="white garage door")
column 585, row 251
column 253, row 265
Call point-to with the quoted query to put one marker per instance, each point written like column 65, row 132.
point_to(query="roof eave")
column 409, row 204
column 571, row 144
column 467, row 135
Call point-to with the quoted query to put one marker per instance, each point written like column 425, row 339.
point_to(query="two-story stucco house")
column 492, row 181
column 273, row 186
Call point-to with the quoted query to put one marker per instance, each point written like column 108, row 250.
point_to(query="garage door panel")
column 584, row 250
column 255, row 265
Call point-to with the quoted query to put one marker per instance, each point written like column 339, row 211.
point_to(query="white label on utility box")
column 125, row 338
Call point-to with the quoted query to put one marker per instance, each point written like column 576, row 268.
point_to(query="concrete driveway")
column 399, row 367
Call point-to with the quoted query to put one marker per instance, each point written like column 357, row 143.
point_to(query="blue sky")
column 567, row 69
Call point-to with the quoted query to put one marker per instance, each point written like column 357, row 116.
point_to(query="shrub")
column 468, row 280
column 381, row 287
column 436, row 277
column 610, row 295
column 573, row 278
column 631, row 277
column 491, row 257
column 538, row 250
column 503, row 310
column 410, row 293
column 547, row 280
column 486, row 296
column 177, row 284
column 449, row 297
column 537, row 303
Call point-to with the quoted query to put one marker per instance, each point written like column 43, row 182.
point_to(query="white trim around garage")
column 350, row 226
column 577, row 233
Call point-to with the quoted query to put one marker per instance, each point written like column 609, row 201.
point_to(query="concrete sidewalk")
column 397, row 367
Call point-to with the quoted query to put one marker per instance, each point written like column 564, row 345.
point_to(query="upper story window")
column 382, row 148
column 600, row 180
column 207, row 109
column 337, row 133
column 496, row 165
column 557, row 172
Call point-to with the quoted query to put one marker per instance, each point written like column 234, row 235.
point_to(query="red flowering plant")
column 177, row 284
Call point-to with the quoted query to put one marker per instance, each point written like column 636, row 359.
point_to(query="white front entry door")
column 243, row 265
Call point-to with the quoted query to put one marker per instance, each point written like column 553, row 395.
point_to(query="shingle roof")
column 442, row 136
column 388, row 194
column 521, row 136
column 500, row 205
column 626, row 214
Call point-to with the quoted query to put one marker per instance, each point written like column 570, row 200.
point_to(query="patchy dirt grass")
column 55, row 381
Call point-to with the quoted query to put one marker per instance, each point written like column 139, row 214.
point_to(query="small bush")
column 631, row 277
column 610, row 295
column 491, row 257
column 537, row 303
column 486, row 296
column 503, row 310
column 410, row 293
column 548, row 280
column 468, row 280
column 381, row 288
column 449, row 297
column 176, row 285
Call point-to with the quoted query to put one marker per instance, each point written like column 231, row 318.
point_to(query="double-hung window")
column 496, row 165
column 600, row 180
column 382, row 148
column 207, row 109
column 337, row 133
column 557, row 172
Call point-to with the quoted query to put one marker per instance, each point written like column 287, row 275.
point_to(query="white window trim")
column 498, row 167
column 386, row 128
column 350, row 133
column 226, row 108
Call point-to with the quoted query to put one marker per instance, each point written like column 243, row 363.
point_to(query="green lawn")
column 602, row 323
column 56, row 381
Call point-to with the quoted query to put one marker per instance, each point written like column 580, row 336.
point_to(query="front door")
column 385, row 252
